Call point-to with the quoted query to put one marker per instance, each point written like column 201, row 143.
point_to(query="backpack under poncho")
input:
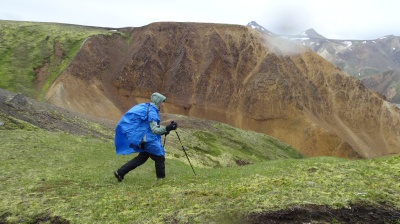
column 134, row 126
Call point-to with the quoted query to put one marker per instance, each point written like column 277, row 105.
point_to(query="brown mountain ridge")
column 236, row 75
column 375, row 62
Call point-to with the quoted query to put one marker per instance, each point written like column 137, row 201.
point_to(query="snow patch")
column 348, row 43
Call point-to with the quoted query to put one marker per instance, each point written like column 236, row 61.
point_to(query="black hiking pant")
column 159, row 162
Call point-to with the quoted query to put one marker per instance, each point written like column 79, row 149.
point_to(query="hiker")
column 139, row 130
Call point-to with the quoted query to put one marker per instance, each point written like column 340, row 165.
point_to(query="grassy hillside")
column 58, row 177
column 57, row 167
column 224, row 146
column 212, row 144
column 26, row 46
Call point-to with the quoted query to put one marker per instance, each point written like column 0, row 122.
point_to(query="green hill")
column 53, row 174
column 28, row 46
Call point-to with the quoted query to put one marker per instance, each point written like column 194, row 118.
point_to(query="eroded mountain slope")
column 236, row 75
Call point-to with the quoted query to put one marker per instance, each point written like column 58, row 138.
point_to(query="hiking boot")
column 119, row 177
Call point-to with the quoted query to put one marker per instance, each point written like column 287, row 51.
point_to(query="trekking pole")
column 185, row 152
column 165, row 138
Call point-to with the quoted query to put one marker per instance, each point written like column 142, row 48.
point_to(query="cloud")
column 9, row 16
column 337, row 19
column 285, row 18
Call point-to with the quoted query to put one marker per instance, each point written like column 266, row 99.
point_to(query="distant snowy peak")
column 311, row 33
column 308, row 34
column 305, row 35
column 258, row 27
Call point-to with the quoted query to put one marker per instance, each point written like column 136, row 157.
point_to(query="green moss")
column 209, row 145
column 11, row 123
column 25, row 46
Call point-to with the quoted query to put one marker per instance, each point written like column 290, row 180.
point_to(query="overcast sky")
column 336, row 19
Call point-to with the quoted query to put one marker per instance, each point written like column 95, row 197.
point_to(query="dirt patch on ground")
column 41, row 218
column 323, row 214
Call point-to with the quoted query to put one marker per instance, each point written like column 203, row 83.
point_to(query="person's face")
column 162, row 104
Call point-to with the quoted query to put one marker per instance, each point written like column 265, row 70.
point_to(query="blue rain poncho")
column 134, row 126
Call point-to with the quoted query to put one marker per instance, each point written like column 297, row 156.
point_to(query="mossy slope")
column 28, row 46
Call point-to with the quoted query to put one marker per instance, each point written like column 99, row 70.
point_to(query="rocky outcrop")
column 236, row 75
column 386, row 83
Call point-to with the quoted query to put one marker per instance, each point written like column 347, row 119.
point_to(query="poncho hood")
column 157, row 99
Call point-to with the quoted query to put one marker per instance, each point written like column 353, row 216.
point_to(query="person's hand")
column 172, row 126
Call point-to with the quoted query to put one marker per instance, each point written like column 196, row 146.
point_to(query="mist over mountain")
column 359, row 58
